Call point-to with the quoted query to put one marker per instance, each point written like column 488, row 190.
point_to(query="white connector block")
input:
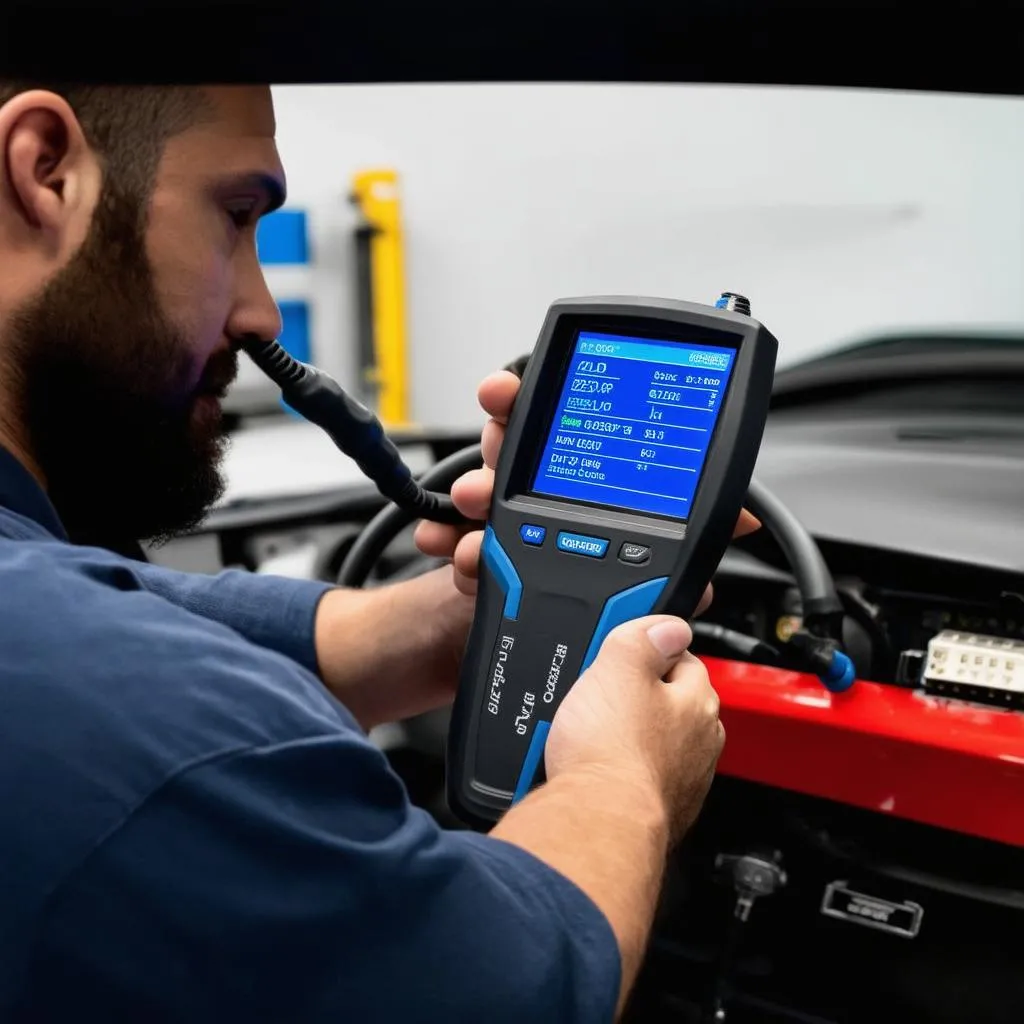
column 971, row 659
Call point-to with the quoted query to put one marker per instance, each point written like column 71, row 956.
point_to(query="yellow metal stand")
column 376, row 194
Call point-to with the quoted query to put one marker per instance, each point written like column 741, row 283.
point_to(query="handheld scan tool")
column 623, row 472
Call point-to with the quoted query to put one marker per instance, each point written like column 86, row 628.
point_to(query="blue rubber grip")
column 497, row 560
column 531, row 761
column 623, row 607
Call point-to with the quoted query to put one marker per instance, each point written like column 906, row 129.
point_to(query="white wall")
column 838, row 212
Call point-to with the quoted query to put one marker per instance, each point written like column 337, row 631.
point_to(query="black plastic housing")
column 516, row 671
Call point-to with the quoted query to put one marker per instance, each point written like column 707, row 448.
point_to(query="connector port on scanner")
column 971, row 666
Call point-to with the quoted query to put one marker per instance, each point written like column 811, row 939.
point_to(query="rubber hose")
column 817, row 590
column 391, row 520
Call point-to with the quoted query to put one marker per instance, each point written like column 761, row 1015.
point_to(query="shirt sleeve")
column 275, row 612
column 296, row 883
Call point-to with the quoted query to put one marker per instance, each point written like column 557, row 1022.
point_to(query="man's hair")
column 128, row 126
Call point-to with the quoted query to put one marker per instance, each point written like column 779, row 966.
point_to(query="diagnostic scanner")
column 622, row 474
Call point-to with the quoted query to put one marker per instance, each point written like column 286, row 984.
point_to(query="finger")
column 471, row 493
column 690, row 673
column 467, row 585
column 747, row 523
column 705, row 602
column 436, row 539
column 490, row 442
column 467, row 557
column 688, row 680
column 644, row 648
column 497, row 393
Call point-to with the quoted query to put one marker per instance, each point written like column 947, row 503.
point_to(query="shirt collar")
column 20, row 493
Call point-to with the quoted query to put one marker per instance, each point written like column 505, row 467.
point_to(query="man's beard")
column 106, row 399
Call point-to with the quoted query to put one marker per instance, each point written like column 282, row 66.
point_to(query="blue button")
column 623, row 607
column 533, row 534
column 580, row 544
column 504, row 572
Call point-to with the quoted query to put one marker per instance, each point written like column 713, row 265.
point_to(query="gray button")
column 634, row 554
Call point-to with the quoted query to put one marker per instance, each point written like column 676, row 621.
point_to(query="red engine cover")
column 927, row 759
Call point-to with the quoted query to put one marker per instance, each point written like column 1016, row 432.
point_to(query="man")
column 193, row 824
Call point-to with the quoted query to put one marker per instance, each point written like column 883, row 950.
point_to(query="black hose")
column 351, row 426
column 732, row 642
column 392, row 519
column 822, row 607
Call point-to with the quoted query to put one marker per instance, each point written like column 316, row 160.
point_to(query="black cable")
column 822, row 607
column 380, row 531
column 734, row 643
column 392, row 519
column 352, row 427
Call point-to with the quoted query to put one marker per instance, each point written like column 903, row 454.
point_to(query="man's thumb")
column 650, row 645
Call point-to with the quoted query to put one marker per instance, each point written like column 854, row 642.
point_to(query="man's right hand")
column 644, row 715
column 629, row 758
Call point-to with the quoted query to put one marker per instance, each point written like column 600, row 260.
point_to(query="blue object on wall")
column 294, row 337
column 282, row 237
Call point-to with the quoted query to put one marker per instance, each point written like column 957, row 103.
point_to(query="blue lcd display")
column 633, row 423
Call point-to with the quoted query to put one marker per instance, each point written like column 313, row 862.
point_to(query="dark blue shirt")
column 193, row 829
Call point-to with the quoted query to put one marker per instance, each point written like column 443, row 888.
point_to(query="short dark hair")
column 127, row 125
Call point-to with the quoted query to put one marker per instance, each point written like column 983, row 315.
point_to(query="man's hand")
column 644, row 714
column 630, row 756
column 472, row 492
column 393, row 652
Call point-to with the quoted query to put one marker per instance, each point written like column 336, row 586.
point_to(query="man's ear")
column 49, row 177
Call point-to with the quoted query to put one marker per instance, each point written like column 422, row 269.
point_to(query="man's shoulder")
column 82, row 632
column 52, row 599
column 107, row 691
column 43, row 568
column 109, row 694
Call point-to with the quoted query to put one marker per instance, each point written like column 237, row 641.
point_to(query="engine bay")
column 931, row 914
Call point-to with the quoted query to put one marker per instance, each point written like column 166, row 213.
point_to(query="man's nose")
column 255, row 311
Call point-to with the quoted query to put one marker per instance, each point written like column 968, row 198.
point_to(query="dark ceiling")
column 975, row 48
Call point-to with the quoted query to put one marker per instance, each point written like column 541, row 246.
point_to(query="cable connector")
column 841, row 674
column 977, row 667
column 822, row 656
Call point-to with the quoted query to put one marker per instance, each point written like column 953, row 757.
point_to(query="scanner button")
column 580, row 544
column 634, row 554
column 533, row 534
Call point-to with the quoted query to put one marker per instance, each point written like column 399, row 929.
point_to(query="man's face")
column 125, row 353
